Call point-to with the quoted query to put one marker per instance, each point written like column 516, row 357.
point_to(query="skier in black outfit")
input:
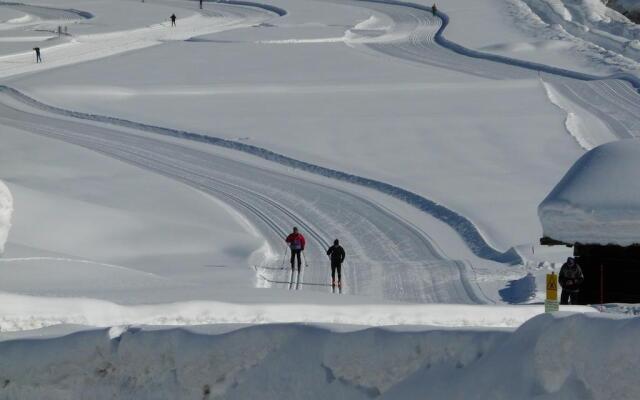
column 173, row 19
column 434, row 9
column 337, row 255
column 570, row 279
column 38, row 58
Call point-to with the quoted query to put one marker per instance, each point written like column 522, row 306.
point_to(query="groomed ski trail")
column 388, row 257
column 464, row 227
column 226, row 15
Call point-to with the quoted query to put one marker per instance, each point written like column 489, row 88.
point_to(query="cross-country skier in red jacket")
column 296, row 244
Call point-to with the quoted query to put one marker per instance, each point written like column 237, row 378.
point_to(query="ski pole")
column 286, row 250
column 306, row 264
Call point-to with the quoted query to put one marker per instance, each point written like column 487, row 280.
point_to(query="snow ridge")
column 572, row 122
column 463, row 226
column 276, row 10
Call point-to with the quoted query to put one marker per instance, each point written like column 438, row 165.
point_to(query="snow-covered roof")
column 598, row 200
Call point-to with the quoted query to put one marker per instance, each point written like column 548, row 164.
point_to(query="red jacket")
column 296, row 241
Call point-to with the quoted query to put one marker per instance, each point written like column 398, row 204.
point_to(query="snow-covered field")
column 152, row 173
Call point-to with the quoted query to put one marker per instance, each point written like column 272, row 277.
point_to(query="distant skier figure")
column 38, row 58
column 337, row 255
column 173, row 19
column 296, row 244
column 201, row 4
column 570, row 279
column 434, row 9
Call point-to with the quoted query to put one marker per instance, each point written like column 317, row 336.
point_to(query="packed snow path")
column 98, row 45
column 417, row 36
column 387, row 257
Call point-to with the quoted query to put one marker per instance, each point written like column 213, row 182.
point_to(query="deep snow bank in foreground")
column 598, row 200
column 6, row 209
column 563, row 356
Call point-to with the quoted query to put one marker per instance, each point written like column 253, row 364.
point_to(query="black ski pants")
column 569, row 297
column 336, row 267
column 294, row 254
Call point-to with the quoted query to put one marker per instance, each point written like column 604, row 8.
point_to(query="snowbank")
column 6, row 209
column 562, row 356
column 598, row 200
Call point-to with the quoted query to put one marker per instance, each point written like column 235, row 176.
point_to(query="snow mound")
column 372, row 22
column 6, row 209
column 551, row 356
column 598, row 200
column 371, row 30
column 21, row 20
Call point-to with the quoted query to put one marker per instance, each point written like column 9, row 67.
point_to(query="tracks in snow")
column 612, row 99
column 94, row 46
column 387, row 257
column 465, row 228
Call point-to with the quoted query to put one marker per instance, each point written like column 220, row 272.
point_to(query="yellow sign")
column 552, row 286
column 551, row 304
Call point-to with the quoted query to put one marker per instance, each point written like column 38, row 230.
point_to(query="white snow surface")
column 598, row 200
column 6, row 210
column 157, row 169
column 436, row 169
column 415, row 153
column 21, row 313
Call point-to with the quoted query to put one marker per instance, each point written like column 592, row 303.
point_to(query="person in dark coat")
column 570, row 279
column 38, row 58
column 173, row 19
column 434, row 9
column 337, row 255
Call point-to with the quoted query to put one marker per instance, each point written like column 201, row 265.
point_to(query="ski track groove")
column 464, row 227
column 210, row 174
